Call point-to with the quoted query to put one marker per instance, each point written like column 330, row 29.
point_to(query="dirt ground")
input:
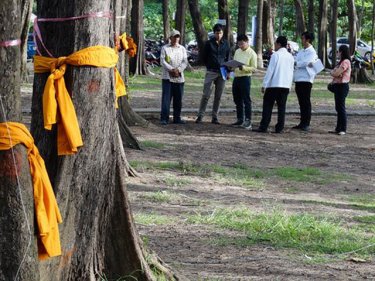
column 189, row 248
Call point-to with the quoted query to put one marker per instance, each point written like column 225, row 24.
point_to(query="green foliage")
column 304, row 232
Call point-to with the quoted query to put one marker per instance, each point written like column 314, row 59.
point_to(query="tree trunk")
column 353, row 20
column 166, row 26
column 18, row 244
column 267, row 25
column 224, row 14
column 138, row 63
column 26, row 7
column 258, row 44
column 311, row 16
column 281, row 17
column 243, row 16
column 98, row 235
column 200, row 32
column 372, row 39
column 322, row 36
column 334, row 8
column 180, row 19
column 300, row 19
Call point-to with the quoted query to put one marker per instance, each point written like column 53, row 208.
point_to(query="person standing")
column 341, row 78
column 304, row 80
column 173, row 58
column 276, row 85
column 215, row 53
column 242, row 81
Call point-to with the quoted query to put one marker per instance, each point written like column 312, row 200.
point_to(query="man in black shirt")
column 215, row 53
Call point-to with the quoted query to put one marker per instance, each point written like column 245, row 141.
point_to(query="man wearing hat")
column 173, row 59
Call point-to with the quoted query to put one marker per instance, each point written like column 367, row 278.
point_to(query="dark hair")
column 242, row 37
column 345, row 55
column 282, row 40
column 217, row 27
column 308, row 36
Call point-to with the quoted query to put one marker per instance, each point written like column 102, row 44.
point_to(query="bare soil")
column 190, row 249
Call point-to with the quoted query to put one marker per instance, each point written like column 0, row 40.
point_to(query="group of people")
column 282, row 70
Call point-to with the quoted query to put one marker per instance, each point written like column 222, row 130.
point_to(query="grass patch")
column 152, row 219
column 366, row 199
column 176, row 181
column 160, row 196
column 365, row 219
column 152, row 144
column 304, row 232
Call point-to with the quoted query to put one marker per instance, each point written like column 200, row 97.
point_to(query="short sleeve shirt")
column 345, row 76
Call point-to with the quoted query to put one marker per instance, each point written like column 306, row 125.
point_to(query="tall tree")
column 243, row 16
column 353, row 21
column 180, row 19
column 311, row 16
column 372, row 37
column 258, row 44
column 300, row 19
column 224, row 14
column 322, row 29
column 166, row 25
column 268, row 23
column 334, row 9
column 200, row 32
column 138, row 63
column 98, row 236
column 17, row 243
column 281, row 17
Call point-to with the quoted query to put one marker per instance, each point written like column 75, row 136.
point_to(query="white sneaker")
column 246, row 124
column 341, row 133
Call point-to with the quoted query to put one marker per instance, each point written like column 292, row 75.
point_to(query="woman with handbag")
column 340, row 87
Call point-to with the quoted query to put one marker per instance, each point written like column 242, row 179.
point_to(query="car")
column 363, row 49
column 31, row 48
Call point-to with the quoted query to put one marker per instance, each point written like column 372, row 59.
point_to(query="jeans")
column 211, row 78
column 303, row 91
column 171, row 91
column 341, row 92
column 280, row 95
column 241, row 96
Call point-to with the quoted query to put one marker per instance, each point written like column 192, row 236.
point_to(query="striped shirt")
column 172, row 57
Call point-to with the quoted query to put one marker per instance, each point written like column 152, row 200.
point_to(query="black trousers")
column 272, row 95
column 303, row 91
column 241, row 96
column 171, row 91
column 341, row 92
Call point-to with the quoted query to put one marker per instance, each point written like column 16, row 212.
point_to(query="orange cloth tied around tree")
column 46, row 210
column 58, row 107
column 127, row 44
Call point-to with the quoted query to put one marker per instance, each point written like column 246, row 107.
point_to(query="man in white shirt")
column 173, row 58
column 304, row 81
column 276, row 85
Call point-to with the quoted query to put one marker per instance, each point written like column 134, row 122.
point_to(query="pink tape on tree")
column 10, row 43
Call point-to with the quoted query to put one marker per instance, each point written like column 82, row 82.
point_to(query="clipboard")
column 233, row 63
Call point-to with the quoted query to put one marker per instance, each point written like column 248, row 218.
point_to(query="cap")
column 175, row 33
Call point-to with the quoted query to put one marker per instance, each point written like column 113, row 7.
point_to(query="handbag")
column 331, row 87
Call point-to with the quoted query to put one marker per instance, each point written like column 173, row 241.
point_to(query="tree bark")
column 224, row 14
column 18, row 259
column 311, row 22
column 353, row 21
column 334, row 8
column 258, row 44
column 372, row 39
column 166, row 25
column 267, row 24
column 300, row 19
column 243, row 16
column 26, row 13
column 180, row 19
column 98, row 235
column 322, row 36
column 200, row 32
column 138, row 63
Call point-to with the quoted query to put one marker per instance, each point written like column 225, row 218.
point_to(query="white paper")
column 316, row 68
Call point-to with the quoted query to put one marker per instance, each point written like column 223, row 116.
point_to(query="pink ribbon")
column 10, row 43
column 38, row 35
